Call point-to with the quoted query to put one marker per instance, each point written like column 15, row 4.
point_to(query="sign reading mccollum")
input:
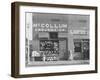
column 49, row 27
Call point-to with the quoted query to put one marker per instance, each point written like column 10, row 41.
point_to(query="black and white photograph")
column 52, row 39
column 57, row 39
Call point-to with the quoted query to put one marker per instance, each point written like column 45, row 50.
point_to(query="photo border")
column 15, row 32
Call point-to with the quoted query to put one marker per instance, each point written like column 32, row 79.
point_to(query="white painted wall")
column 5, row 40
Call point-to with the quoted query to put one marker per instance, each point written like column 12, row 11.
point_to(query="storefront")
column 59, row 38
column 52, row 46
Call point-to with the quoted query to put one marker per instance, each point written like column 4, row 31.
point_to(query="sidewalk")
column 52, row 63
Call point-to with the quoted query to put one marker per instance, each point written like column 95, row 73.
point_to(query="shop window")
column 81, row 46
column 49, row 49
column 77, row 47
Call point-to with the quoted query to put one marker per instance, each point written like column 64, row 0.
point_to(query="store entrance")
column 81, row 48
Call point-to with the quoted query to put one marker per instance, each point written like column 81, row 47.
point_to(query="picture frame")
column 53, row 39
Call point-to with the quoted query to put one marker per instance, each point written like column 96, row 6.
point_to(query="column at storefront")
column 70, row 46
column 28, row 37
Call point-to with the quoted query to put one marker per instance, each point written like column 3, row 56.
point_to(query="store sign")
column 50, row 27
column 83, row 32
